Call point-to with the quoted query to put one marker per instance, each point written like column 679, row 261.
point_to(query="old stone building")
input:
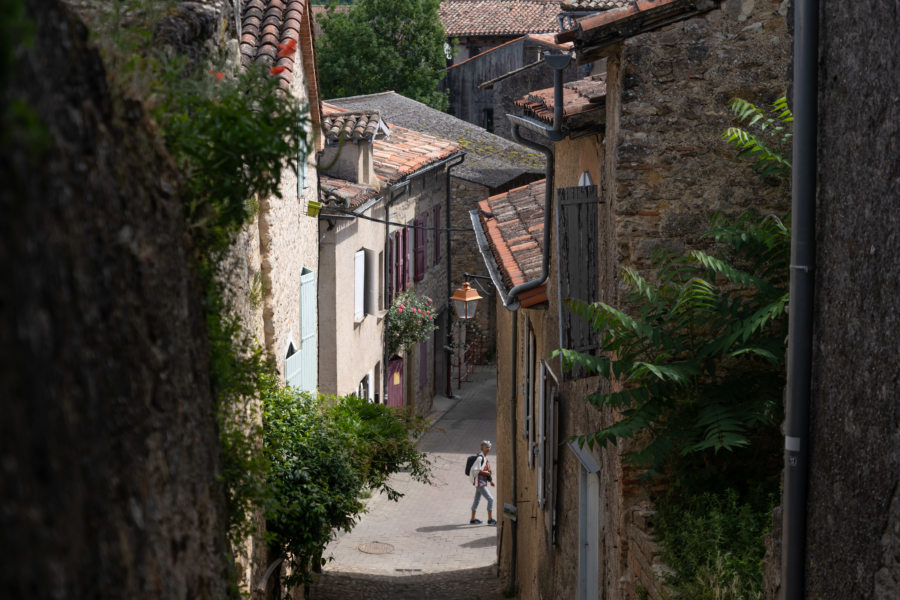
column 384, row 189
column 474, row 26
column 492, row 165
column 639, row 164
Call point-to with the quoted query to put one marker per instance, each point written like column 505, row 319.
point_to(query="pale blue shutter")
column 308, row 338
column 359, row 286
column 293, row 367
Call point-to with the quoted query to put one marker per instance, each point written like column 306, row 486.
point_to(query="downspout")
column 448, row 359
column 803, row 184
column 557, row 62
column 513, row 380
column 391, row 198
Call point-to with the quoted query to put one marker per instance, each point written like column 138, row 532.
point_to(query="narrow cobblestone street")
column 423, row 546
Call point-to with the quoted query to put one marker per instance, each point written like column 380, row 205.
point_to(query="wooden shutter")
column 419, row 249
column 308, row 337
column 404, row 258
column 577, row 251
column 293, row 368
column 359, row 285
column 437, row 233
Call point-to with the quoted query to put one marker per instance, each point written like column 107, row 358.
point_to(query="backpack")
column 469, row 462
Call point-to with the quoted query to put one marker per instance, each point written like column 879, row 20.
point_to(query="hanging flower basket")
column 410, row 320
column 313, row 207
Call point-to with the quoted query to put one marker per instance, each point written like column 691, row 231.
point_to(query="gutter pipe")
column 448, row 359
column 557, row 62
column 796, row 443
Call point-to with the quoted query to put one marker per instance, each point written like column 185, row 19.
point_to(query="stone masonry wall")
column 108, row 445
column 853, row 520
column 667, row 170
column 464, row 196
column 672, row 167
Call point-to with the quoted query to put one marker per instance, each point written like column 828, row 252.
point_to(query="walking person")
column 481, row 477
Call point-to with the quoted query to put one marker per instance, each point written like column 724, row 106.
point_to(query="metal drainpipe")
column 806, row 50
column 448, row 359
column 404, row 185
column 557, row 63
column 512, row 449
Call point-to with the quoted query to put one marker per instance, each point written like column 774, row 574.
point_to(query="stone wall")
column 672, row 169
column 108, row 445
column 853, row 524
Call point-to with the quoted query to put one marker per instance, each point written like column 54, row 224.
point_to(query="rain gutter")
column 803, row 255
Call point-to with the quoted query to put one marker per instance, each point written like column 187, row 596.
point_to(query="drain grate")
column 376, row 548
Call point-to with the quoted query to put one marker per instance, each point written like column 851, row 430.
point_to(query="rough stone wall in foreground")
column 853, row 540
column 672, row 167
column 108, row 440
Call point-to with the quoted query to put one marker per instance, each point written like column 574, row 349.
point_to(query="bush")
column 712, row 541
column 324, row 454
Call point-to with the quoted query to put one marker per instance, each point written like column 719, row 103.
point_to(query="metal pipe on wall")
column 796, row 442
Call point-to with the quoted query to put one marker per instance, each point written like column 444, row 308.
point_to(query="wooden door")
column 395, row 383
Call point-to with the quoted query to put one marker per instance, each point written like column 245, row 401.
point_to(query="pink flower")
column 420, row 322
column 399, row 310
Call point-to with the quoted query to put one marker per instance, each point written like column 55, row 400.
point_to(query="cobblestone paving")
column 423, row 547
column 469, row 584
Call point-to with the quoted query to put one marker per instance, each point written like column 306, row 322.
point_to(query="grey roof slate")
column 491, row 160
column 593, row 5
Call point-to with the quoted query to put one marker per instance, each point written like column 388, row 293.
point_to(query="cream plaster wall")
column 349, row 350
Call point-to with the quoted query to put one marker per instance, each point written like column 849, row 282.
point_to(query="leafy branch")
column 767, row 144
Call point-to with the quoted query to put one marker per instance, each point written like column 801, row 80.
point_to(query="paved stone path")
column 422, row 547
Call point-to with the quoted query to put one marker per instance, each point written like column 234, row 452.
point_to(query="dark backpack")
column 469, row 462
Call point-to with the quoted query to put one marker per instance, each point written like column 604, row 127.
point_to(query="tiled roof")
column 498, row 17
column 354, row 126
column 593, row 33
column 548, row 39
column 579, row 97
column 593, row 5
column 266, row 24
column 347, row 192
column 515, row 234
column 406, row 151
column 491, row 160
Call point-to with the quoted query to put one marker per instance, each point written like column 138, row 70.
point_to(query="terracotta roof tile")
column 345, row 193
column 592, row 5
column 579, row 97
column 515, row 234
column 355, row 126
column 498, row 17
column 405, row 151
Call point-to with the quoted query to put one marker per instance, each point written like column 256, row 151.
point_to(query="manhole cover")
column 376, row 548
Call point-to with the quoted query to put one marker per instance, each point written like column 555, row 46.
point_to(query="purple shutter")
column 419, row 250
column 404, row 259
column 437, row 233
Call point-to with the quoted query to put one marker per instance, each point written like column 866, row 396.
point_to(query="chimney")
column 349, row 153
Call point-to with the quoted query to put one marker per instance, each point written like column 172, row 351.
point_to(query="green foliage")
column 381, row 45
column 699, row 354
column 324, row 456
column 410, row 320
column 232, row 136
column 712, row 542
column 768, row 144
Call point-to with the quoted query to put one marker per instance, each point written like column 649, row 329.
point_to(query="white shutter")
column 293, row 369
column 308, row 337
column 359, row 286
column 539, row 438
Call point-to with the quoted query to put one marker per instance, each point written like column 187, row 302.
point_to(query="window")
column 545, row 438
column 420, row 246
column 437, row 234
column 528, row 368
column 488, row 119
column 359, row 286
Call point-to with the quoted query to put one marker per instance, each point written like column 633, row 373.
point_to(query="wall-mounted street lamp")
column 465, row 301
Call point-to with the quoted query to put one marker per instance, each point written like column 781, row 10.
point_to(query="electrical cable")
column 350, row 212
